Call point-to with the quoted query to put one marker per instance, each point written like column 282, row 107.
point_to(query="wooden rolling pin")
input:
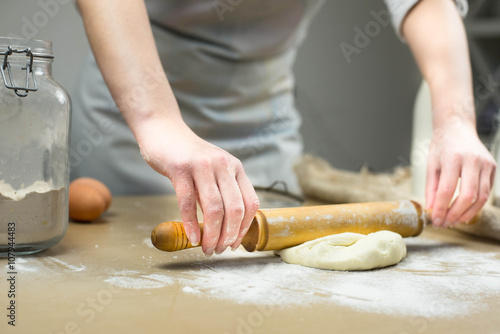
column 274, row 229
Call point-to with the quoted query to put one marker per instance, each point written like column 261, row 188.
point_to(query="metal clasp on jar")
column 29, row 70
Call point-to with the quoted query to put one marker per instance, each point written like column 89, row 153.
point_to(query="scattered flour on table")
column 39, row 263
column 189, row 289
column 66, row 265
column 148, row 243
column 23, row 266
column 436, row 279
column 128, row 279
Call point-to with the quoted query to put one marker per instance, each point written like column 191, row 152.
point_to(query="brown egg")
column 88, row 199
column 98, row 185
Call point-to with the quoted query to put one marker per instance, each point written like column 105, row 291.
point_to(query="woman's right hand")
column 201, row 173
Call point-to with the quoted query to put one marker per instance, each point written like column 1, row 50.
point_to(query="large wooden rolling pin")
column 274, row 229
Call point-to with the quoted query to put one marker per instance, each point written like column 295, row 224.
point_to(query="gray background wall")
column 355, row 113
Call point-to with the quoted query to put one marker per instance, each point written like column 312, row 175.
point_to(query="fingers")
column 251, row 203
column 186, row 197
column 487, row 174
column 205, row 174
column 431, row 184
column 448, row 180
column 212, row 207
column 227, row 199
column 234, row 210
column 476, row 179
column 469, row 192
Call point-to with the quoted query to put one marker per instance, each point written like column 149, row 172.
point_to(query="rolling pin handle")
column 171, row 237
column 257, row 234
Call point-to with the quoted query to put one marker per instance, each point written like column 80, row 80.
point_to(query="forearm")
column 122, row 41
column 436, row 35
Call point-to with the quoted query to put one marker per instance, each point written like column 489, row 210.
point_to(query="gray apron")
column 229, row 63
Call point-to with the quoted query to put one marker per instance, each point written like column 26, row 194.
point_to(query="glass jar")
column 34, row 148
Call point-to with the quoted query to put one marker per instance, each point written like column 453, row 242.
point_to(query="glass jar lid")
column 16, row 49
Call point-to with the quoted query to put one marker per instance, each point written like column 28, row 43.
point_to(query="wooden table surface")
column 105, row 277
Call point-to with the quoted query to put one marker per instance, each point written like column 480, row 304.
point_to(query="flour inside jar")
column 36, row 210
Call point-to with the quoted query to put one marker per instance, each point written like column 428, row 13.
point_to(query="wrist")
column 452, row 117
column 151, row 110
column 159, row 124
column 454, row 125
column 453, row 107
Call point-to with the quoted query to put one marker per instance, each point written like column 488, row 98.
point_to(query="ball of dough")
column 348, row 251
column 88, row 199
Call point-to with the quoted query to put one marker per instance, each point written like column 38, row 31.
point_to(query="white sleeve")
column 400, row 8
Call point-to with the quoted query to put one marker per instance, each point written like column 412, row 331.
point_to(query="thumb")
column 431, row 183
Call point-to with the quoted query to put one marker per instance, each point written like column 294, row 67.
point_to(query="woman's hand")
column 457, row 153
column 436, row 35
column 199, row 171
column 203, row 173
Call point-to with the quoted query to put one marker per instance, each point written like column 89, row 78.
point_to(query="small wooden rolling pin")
column 274, row 229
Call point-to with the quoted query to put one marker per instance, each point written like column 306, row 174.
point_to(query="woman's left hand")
column 456, row 153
